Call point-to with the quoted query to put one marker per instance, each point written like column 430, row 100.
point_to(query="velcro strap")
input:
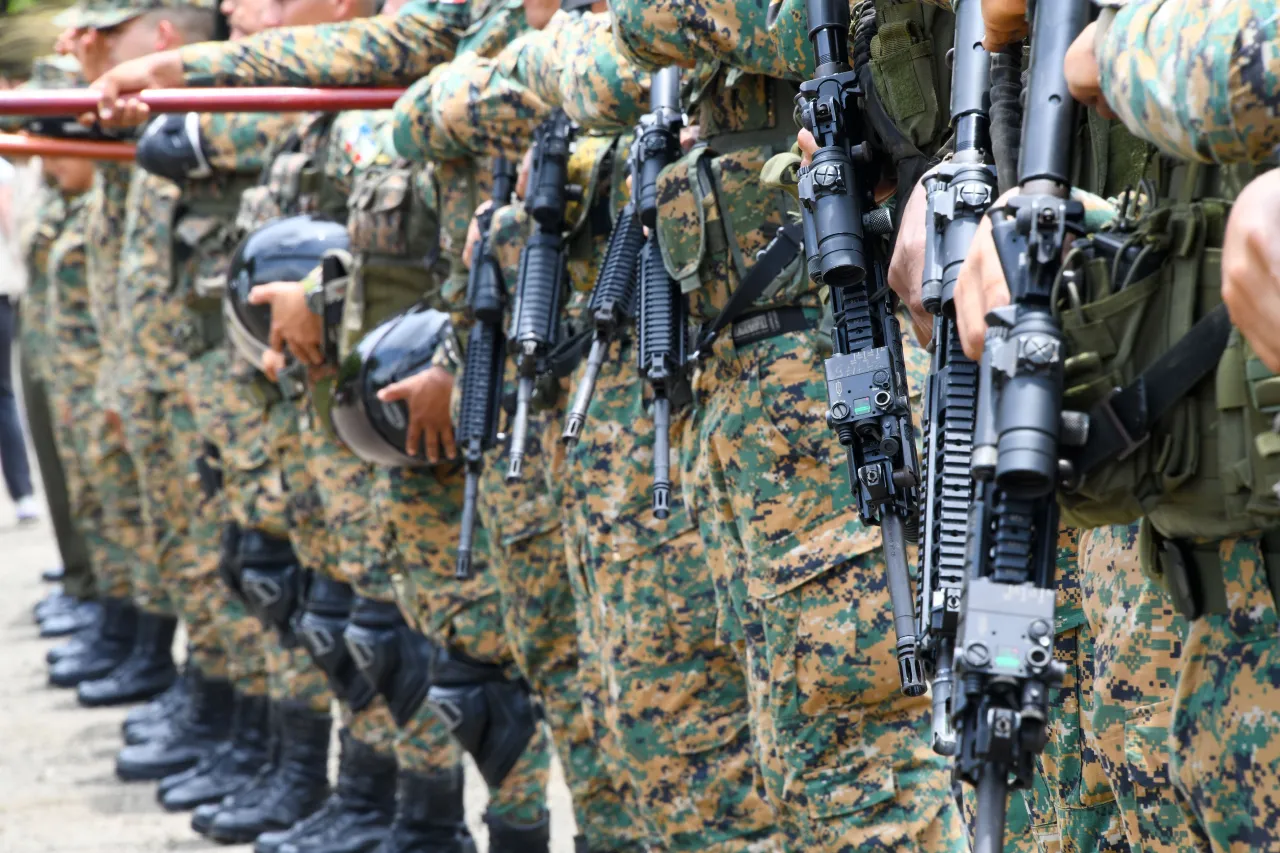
column 772, row 260
column 762, row 325
column 1121, row 423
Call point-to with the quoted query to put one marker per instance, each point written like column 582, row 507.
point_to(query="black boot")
column 54, row 574
column 57, row 600
column 117, row 634
column 230, row 767
column 79, row 643
column 296, row 787
column 359, row 812
column 152, row 720
column 206, row 723
column 511, row 838
column 61, row 623
column 147, row 672
column 429, row 815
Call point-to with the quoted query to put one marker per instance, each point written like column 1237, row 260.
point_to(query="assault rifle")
column 663, row 311
column 486, row 354
column 542, row 273
column 869, row 408
column 959, row 192
column 1004, row 637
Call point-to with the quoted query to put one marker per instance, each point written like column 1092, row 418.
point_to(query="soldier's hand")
column 292, row 323
column 114, row 422
column 980, row 287
column 1081, row 68
column 427, row 394
column 522, row 174
column 156, row 71
column 272, row 363
column 1006, row 22
column 906, row 267
column 473, row 233
column 1251, row 267
column 808, row 146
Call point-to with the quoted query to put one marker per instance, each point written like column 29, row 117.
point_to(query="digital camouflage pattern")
column 35, row 239
column 1196, row 77
column 789, row 31
column 103, row 239
column 525, row 554
column 1137, row 655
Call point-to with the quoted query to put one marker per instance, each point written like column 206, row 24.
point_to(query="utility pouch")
column 905, row 71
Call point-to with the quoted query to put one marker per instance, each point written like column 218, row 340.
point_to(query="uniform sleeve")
column 466, row 109
column 150, row 320
column 600, row 88
column 241, row 142
column 103, row 234
column 789, row 33
column 1199, row 78
column 657, row 33
column 378, row 51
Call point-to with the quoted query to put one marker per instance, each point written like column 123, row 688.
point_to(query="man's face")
column 306, row 13
column 539, row 12
column 134, row 38
column 246, row 17
column 72, row 175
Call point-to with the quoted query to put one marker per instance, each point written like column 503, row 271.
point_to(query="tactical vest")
column 204, row 237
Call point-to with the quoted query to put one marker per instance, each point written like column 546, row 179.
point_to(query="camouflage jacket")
column 104, row 238
column 76, row 356
column 38, row 235
column 1199, row 78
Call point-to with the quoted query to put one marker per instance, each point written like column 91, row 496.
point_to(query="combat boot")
column 197, row 732
column 295, row 787
column 79, row 643
column 230, row 766
column 57, row 601
column 117, row 633
column 429, row 817
column 512, row 838
column 152, row 720
column 148, row 670
column 359, row 812
column 54, row 574
column 62, row 623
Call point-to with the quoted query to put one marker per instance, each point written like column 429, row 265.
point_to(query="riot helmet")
column 282, row 250
column 399, row 348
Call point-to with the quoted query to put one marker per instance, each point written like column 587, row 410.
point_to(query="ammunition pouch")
column 324, row 617
column 394, row 658
column 294, row 181
column 910, row 75
column 491, row 716
column 1206, row 465
column 272, row 580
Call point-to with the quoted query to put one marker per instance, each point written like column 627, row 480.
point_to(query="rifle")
column 1004, row 637
column 959, row 192
column 542, row 272
column 265, row 99
column 663, row 311
column 486, row 354
column 869, row 408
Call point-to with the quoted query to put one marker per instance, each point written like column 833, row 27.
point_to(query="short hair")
column 194, row 25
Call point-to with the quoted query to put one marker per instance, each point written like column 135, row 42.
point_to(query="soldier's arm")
column 656, row 33
column 600, row 88
column 379, row 51
column 789, row 31
column 241, row 142
column 1199, row 78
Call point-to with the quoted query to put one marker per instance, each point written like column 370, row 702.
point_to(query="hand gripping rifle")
column 663, row 311
column 866, row 378
column 486, row 354
column 1004, row 638
column 542, row 272
column 959, row 192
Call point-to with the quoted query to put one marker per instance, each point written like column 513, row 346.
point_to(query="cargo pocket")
column 258, row 206
column 664, row 620
column 684, row 204
column 202, row 250
column 1248, row 410
column 377, row 212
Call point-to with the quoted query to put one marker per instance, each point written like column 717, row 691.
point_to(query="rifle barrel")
column 265, row 99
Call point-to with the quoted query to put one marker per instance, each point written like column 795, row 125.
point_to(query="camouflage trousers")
column 674, row 699
column 526, row 557
column 105, row 495
column 1225, row 732
column 1138, row 639
column 417, row 536
column 844, row 756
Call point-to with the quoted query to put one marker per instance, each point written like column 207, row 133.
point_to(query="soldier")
column 675, row 705
column 1184, row 224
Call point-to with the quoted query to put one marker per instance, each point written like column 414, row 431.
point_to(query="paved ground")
column 58, row 792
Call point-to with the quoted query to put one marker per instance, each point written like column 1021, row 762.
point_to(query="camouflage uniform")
column 669, row 700
column 122, row 495
column 1197, row 79
column 800, row 585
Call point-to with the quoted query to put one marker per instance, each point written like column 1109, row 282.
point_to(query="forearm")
column 1199, row 78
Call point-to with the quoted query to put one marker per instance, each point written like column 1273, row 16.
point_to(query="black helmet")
column 282, row 250
column 402, row 346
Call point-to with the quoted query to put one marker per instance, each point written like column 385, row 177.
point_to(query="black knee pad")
column 493, row 717
column 319, row 628
column 229, row 559
column 272, row 580
column 394, row 658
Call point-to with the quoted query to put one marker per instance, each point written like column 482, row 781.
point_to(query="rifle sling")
column 772, row 260
column 1121, row 423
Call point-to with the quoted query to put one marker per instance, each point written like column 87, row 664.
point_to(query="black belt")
column 1193, row 573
